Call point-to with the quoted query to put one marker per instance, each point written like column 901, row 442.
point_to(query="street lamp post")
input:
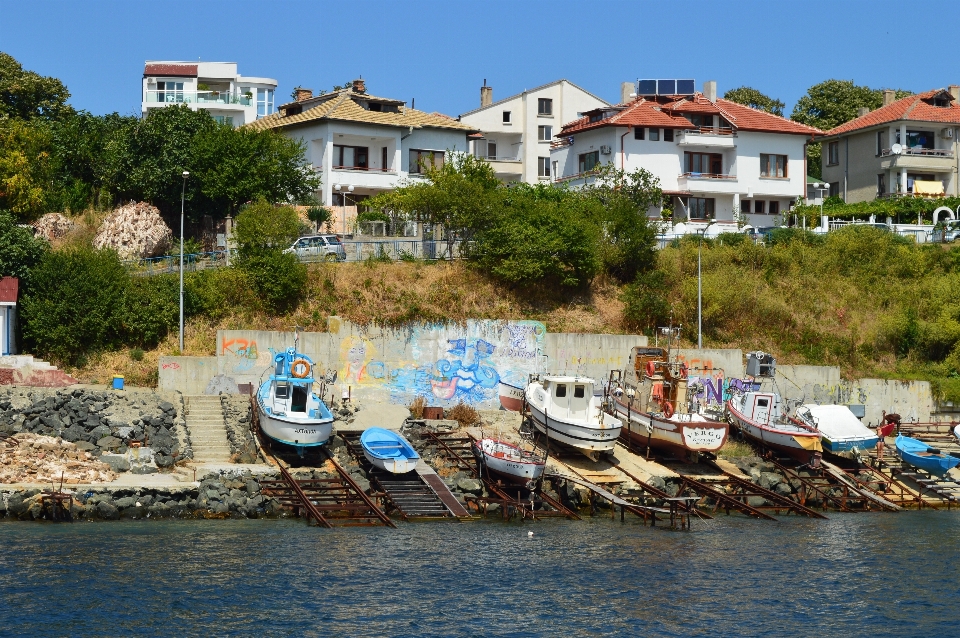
column 701, row 233
column 343, row 204
column 821, row 187
column 183, row 191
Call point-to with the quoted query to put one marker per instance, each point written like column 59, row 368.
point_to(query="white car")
column 318, row 248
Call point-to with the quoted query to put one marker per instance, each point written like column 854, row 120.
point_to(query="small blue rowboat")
column 387, row 450
column 919, row 454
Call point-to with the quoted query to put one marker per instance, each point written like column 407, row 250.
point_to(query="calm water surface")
column 853, row 575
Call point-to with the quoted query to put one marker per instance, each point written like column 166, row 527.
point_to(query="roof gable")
column 919, row 108
column 537, row 88
column 171, row 70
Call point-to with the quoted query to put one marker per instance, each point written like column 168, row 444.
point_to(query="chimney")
column 863, row 110
column 955, row 92
column 359, row 86
column 710, row 90
column 889, row 95
column 486, row 94
column 303, row 94
column 625, row 90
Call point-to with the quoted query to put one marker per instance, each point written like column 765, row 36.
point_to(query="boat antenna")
column 296, row 337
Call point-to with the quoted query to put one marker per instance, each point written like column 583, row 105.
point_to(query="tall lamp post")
column 821, row 188
column 183, row 191
column 701, row 233
column 343, row 204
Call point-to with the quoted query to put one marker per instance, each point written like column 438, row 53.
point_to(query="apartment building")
column 215, row 87
column 362, row 144
column 715, row 159
column 907, row 147
column 516, row 132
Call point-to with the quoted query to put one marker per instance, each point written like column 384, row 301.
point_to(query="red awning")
column 8, row 289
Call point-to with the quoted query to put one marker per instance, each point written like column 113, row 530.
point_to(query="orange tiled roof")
column 914, row 107
column 640, row 112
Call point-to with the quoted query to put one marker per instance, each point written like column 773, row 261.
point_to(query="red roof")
column 917, row 108
column 8, row 289
column 175, row 70
column 667, row 112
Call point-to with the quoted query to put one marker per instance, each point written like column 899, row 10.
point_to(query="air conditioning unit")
column 947, row 133
column 151, row 80
column 605, row 150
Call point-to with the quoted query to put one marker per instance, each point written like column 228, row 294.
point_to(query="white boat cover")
column 837, row 423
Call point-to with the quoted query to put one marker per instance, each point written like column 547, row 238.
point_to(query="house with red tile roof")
column 715, row 159
column 905, row 147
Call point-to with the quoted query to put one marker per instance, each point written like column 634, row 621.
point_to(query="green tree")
column 27, row 95
column 319, row 215
column 151, row 309
column 755, row 99
column 26, row 168
column 262, row 227
column 262, row 233
column 20, row 251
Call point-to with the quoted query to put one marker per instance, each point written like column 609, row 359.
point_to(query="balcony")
column 506, row 166
column 708, row 137
column 934, row 160
column 708, row 183
column 197, row 97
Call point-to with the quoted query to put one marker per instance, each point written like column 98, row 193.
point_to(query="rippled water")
column 853, row 575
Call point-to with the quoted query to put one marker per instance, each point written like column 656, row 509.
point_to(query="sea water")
column 882, row 574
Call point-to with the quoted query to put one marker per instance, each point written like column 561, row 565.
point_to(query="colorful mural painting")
column 716, row 390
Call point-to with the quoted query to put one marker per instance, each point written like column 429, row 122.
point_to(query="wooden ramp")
column 426, row 473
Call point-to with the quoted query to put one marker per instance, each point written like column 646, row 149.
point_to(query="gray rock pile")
column 135, row 231
column 103, row 423
column 53, row 226
column 237, row 412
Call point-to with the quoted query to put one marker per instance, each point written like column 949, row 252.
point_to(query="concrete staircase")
column 207, row 430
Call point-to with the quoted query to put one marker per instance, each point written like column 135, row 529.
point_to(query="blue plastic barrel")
column 117, row 382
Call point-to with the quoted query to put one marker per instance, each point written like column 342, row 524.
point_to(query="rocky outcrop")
column 33, row 458
column 53, row 226
column 135, row 231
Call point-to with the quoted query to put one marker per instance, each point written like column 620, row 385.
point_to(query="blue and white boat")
column 842, row 432
column 388, row 450
column 920, row 455
column 290, row 412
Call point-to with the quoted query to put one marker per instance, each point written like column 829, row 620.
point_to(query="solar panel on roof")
column 685, row 87
column 647, row 87
column 666, row 87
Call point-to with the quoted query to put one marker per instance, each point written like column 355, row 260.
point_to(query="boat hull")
column 507, row 466
column 601, row 437
column 914, row 453
column 680, row 433
column 393, row 465
column 511, row 397
column 848, row 448
column 803, row 448
column 296, row 432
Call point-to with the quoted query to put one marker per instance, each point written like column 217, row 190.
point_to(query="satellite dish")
column 896, row 149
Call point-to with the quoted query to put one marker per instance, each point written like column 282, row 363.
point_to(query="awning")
column 921, row 187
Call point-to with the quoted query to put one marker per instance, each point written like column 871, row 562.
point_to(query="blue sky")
column 440, row 52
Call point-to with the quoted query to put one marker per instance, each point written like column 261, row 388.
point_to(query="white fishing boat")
column 290, row 412
column 761, row 417
column 511, row 396
column 510, row 463
column 566, row 410
column 842, row 433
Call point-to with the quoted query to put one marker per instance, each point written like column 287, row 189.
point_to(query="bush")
column 263, row 227
column 215, row 292
column 19, row 249
column 152, row 309
column 280, row 280
column 646, row 305
column 75, row 304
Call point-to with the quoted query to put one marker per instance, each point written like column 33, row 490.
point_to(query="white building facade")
column 215, row 87
column 717, row 160
column 516, row 132
column 362, row 145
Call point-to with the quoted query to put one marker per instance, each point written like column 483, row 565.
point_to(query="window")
column 506, row 117
column 543, row 166
column 544, row 133
column 638, row 133
column 554, row 168
column 759, row 206
column 383, row 159
column 744, row 205
column 544, row 106
column 422, row 160
column 654, row 135
column 762, row 403
column 578, row 391
column 773, row 165
column 834, row 189
column 702, row 120
column 223, row 119
column 698, row 163
column 264, row 102
column 880, row 142
column 668, row 135
column 774, row 208
column 561, row 390
column 283, row 391
column 169, row 91
column 881, row 185
column 920, row 139
column 700, row 207
column 349, row 156
column 833, row 153
column 491, row 150
column 588, row 161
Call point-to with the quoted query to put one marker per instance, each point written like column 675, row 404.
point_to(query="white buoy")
column 529, row 533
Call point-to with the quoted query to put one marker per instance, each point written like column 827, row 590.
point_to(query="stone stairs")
column 205, row 425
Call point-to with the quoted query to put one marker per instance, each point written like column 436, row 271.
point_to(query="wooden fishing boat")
column 759, row 416
column 566, row 410
column 507, row 462
column 290, row 412
column 388, row 450
column 511, row 396
column 650, row 397
column 842, row 433
column 925, row 457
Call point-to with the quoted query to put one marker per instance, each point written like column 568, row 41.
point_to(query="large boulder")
column 135, row 231
column 52, row 226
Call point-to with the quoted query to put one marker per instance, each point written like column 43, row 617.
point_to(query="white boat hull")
column 803, row 448
column 507, row 464
column 392, row 465
column 511, row 397
column 297, row 432
column 681, row 432
column 596, row 437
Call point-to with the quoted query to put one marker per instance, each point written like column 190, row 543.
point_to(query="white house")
column 215, row 87
column 516, row 132
column 715, row 158
column 8, row 315
column 363, row 145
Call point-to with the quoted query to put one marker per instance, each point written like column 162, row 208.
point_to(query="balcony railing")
column 917, row 150
column 708, row 176
column 710, row 130
column 197, row 97
column 503, row 158
column 364, row 168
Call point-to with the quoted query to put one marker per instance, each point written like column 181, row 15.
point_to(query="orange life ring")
column 297, row 363
column 651, row 368
column 667, row 409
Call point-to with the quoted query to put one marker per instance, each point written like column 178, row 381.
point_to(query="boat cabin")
column 568, row 397
column 761, row 407
column 651, row 381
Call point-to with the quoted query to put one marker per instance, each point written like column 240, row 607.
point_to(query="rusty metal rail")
column 721, row 499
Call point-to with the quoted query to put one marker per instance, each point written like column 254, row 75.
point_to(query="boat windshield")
column 283, row 391
column 561, row 390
